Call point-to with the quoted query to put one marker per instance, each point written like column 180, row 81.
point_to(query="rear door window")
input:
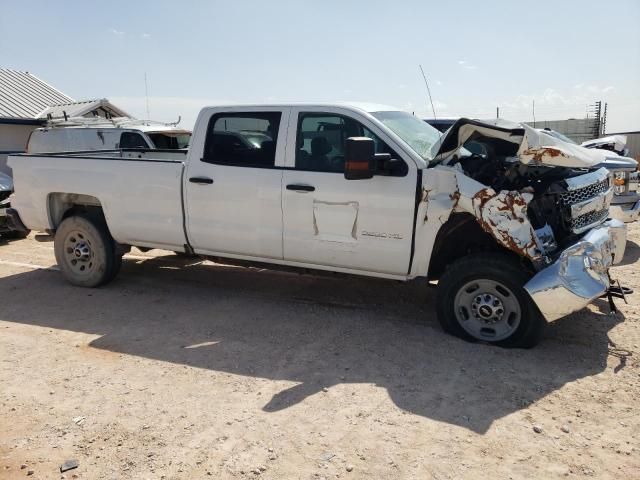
column 243, row 139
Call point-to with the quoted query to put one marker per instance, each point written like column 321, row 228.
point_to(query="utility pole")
column 146, row 94
column 497, row 112
column 534, row 113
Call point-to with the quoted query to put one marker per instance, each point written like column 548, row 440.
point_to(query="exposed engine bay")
column 503, row 171
column 561, row 194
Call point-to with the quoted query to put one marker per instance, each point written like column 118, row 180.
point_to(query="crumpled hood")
column 534, row 148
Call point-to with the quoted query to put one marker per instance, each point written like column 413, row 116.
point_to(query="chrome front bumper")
column 625, row 212
column 580, row 274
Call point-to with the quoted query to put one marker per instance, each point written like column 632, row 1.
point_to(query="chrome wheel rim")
column 487, row 310
column 78, row 253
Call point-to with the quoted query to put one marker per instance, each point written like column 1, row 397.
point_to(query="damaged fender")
column 502, row 214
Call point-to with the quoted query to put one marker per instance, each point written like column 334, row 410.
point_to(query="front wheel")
column 85, row 251
column 482, row 298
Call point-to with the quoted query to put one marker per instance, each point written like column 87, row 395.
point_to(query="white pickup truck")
column 515, row 237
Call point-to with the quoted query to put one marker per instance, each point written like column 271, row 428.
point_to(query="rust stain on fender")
column 504, row 216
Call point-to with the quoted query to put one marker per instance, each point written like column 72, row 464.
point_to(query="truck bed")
column 139, row 191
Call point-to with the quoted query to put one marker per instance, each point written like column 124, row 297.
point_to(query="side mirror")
column 359, row 158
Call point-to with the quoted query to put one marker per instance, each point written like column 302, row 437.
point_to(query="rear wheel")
column 482, row 298
column 85, row 251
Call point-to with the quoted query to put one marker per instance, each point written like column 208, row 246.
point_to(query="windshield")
column 553, row 133
column 170, row 140
column 419, row 135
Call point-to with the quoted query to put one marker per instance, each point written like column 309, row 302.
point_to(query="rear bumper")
column 580, row 274
column 10, row 221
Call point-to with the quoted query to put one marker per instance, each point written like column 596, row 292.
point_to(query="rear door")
column 329, row 221
column 233, row 183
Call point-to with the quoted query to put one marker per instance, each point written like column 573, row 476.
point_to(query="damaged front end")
column 544, row 200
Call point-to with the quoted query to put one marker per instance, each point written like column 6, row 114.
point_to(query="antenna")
column 146, row 94
column 428, row 91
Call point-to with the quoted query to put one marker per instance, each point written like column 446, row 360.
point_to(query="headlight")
column 620, row 182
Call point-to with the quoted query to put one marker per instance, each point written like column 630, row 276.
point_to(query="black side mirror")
column 359, row 158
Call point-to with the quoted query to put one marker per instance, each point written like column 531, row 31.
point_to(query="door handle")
column 301, row 188
column 201, row 180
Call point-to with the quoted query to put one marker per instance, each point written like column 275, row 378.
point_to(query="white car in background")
column 613, row 143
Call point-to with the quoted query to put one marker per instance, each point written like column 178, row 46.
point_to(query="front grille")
column 582, row 222
column 585, row 193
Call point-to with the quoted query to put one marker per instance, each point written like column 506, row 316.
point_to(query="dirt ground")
column 187, row 369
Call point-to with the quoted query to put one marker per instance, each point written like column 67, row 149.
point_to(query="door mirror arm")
column 386, row 165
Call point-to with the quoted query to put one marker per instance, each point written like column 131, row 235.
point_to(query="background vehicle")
column 625, row 205
column 441, row 124
column 106, row 134
column 6, row 229
column 613, row 143
column 514, row 236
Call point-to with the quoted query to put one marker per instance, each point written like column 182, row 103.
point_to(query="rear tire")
column 85, row 250
column 482, row 298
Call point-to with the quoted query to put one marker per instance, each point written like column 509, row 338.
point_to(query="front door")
column 364, row 225
column 234, row 192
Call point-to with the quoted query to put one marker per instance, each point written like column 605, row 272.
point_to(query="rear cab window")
column 243, row 139
column 170, row 140
column 132, row 140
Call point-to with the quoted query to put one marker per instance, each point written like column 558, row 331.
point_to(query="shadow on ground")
column 631, row 253
column 318, row 331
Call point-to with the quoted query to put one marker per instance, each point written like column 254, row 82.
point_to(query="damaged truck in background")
column 515, row 236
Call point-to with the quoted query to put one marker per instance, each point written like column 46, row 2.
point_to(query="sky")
column 477, row 56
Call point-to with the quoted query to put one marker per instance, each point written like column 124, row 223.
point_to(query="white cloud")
column 467, row 65
column 145, row 35
column 115, row 32
column 608, row 89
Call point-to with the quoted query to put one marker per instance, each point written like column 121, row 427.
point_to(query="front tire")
column 482, row 298
column 85, row 251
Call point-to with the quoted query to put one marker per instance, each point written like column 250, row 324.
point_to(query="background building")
column 26, row 103
column 577, row 129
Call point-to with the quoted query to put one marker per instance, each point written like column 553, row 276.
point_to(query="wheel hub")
column 82, row 251
column 487, row 307
column 78, row 252
column 487, row 310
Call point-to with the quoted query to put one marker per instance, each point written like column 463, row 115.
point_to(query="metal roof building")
column 100, row 107
column 23, row 96
column 26, row 103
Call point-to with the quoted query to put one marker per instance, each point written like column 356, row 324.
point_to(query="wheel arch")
column 62, row 205
column 462, row 235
